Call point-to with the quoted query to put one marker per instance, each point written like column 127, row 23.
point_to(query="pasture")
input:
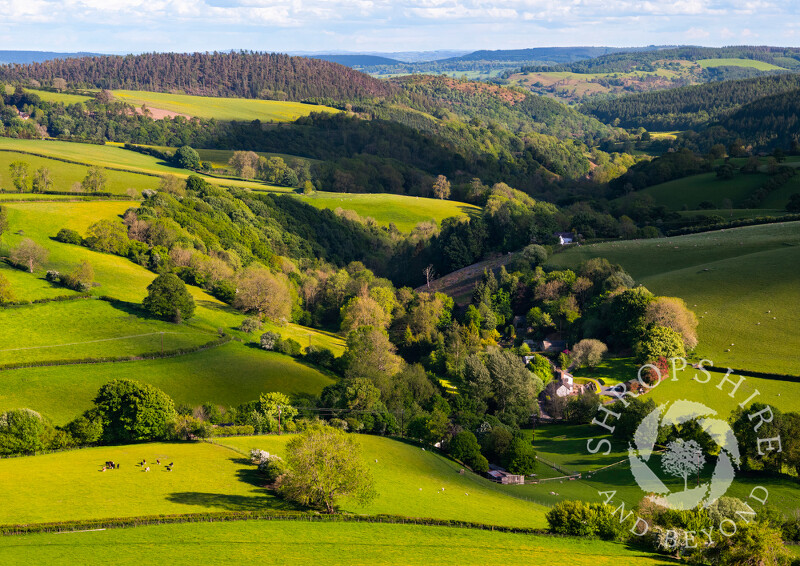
column 742, row 283
column 690, row 191
column 227, row 375
column 66, row 175
column 736, row 62
column 314, row 543
column 409, row 481
column 566, row 445
column 405, row 212
column 113, row 157
column 201, row 106
column 225, row 109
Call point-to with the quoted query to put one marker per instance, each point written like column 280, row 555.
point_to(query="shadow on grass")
column 222, row 501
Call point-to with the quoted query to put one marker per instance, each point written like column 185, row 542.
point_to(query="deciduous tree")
column 29, row 254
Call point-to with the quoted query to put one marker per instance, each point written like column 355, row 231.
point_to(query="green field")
column 221, row 108
column 227, row 375
column 203, row 106
column 691, row 191
column 65, row 175
column 95, row 326
column 742, row 283
column 408, row 480
column 566, row 445
column 314, row 543
column 111, row 156
column 403, row 211
column 83, row 329
column 750, row 63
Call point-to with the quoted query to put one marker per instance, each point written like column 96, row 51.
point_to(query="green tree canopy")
column 168, row 298
column 325, row 465
column 133, row 411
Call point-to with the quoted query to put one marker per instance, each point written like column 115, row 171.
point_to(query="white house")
column 565, row 237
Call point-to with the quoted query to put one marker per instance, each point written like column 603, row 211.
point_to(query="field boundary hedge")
column 270, row 515
column 116, row 359
column 734, row 224
column 761, row 374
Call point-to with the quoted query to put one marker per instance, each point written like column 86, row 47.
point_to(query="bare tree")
column 59, row 84
column 430, row 273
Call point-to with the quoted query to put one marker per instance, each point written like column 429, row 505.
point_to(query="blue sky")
column 119, row 26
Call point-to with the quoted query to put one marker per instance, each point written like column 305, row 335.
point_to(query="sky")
column 132, row 26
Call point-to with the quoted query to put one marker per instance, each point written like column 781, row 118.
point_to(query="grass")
column 731, row 279
column 27, row 287
column 691, row 191
column 566, row 445
column 750, row 63
column 314, row 543
column 408, row 481
column 221, row 108
column 405, row 212
column 115, row 157
column 86, row 329
column 228, row 375
column 69, row 485
column 203, row 106
column 65, row 175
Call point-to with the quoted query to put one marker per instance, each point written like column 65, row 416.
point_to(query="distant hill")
column 238, row 74
column 356, row 60
column 554, row 54
column 25, row 57
column 690, row 106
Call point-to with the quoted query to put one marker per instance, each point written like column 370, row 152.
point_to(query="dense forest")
column 630, row 60
column 234, row 74
column 690, row 106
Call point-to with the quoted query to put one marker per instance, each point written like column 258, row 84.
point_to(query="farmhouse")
column 565, row 238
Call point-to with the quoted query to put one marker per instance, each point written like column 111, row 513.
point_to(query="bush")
column 320, row 356
column 186, row 427
column 272, row 468
column 251, row 324
column 289, row 347
column 270, row 340
column 67, row 236
column 577, row 518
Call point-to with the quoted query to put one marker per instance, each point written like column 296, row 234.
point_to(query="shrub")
column 272, row 468
column 67, row 236
column 251, row 324
column 320, row 356
column 585, row 519
column 290, row 347
column 270, row 340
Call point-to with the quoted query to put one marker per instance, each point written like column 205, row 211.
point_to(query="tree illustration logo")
column 684, row 458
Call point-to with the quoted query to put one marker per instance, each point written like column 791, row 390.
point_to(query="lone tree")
column 168, row 299
column 29, row 254
column 683, row 458
column 441, row 187
column 95, row 180
column 187, row 158
column 133, row 411
column 42, row 180
column 324, row 466
column 19, row 175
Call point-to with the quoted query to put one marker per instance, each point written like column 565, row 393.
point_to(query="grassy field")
column 404, row 211
column 409, row 479
column 750, row 63
column 203, row 106
column 65, row 175
column 742, row 283
column 691, row 191
column 566, row 445
column 314, row 543
column 221, row 108
column 114, row 157
column 86, row 329
column 227, row 375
